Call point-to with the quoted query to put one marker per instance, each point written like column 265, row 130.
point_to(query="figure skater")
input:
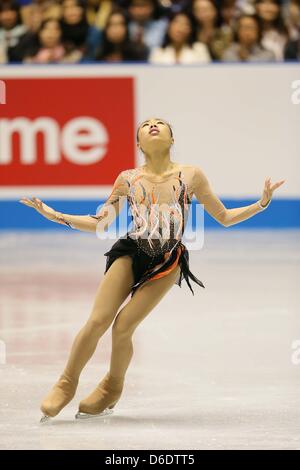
column 145, row 263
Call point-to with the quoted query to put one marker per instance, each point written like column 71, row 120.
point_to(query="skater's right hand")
column 40, row 206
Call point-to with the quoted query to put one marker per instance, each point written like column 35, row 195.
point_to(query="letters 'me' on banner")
column 66, row 131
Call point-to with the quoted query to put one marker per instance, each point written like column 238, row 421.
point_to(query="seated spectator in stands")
column 291, row 14
column 229, row 12
column 35, row 19
column 292, row 50
column 247, row 46
column 116, row 45
column 76, row 31
column 98, row 12
column 274, row 32
column 49, row 48
column 246, row 7
column 216, row 39
column 175, row 6
column 146, row 27
column 28, row 41
column 11, row 29
column 180, row 46
column 47, row 9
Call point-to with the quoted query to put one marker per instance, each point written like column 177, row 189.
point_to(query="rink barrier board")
column 281, row 214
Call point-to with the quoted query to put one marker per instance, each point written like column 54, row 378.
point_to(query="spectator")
column 174, row 6
column 116, row 45
column 292, row 19
column 292, row 50
column 207, row 31
column 274, row 32
column 292, row 15
column 47, row 9
column 37, row 15
column 247, row 46
column 229, row 13
column 28, row 41
column 98, row 12
column 179, row 45
column 146, row 27
column 49, row 47
column 246, row 7
column 76, row 31
column 11, row 29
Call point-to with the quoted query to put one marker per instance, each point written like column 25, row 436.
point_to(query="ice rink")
column 219, row 370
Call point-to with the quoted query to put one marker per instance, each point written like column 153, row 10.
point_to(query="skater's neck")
column 158, row 163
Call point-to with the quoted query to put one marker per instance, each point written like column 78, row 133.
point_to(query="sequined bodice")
column 159, row 208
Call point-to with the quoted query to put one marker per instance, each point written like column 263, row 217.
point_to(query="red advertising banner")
column 66, row 131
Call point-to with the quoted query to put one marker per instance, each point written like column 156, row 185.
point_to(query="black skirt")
column 146, row 267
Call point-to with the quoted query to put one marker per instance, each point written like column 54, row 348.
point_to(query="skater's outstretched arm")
column 214, row 206
column 87, row 223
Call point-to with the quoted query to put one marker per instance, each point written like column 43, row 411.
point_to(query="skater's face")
column 154, row 133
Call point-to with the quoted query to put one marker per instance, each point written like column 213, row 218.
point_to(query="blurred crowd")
column 153, row 31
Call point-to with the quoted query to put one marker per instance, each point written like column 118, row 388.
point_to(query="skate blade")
column 45, row 419
column 81, row 415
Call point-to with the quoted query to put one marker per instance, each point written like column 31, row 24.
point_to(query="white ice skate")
column 106, row 412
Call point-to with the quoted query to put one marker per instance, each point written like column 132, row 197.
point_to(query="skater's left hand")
column 268, row 191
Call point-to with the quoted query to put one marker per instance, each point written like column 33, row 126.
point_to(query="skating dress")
column 159, row 210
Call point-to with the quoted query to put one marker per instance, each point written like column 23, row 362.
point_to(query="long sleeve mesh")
column 113, row 204
column 215, row 207
column 104, row 216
